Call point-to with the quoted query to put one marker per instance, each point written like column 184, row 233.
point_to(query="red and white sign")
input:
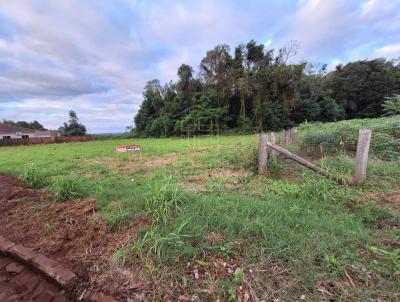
column 128, row 148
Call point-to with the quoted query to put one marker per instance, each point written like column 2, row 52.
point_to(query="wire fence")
column 360, row 146
column 317, row 145
column 384, row 144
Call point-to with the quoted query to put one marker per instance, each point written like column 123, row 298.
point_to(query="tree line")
column 253, row 89
column 35, row 125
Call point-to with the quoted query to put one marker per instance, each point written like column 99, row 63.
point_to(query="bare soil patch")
column 226, row 172
column 137, row 164
column 388, row 199
column 72, row 233
column 154, row 162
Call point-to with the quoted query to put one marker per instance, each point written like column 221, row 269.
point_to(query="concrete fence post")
column 273, row 141
column 292, row 134
column 262, row 154
column 364, row 139
column 283, row 137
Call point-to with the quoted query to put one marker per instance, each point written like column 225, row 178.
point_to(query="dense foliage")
column 255, row 88
column 73, row 127
column 391, row 106
column 30, row 125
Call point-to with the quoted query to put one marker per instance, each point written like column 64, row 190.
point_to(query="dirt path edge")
column 50, row 268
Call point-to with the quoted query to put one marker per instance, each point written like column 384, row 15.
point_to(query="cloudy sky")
column 95, row 56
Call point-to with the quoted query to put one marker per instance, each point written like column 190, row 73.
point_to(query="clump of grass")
column 163, row 199
column 217, row 184
column 160, row 243
column 373, row 215
column 34, row 176
column 243, row 156
column 67, row 187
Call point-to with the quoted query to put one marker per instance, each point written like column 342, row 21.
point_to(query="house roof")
column 5, row 128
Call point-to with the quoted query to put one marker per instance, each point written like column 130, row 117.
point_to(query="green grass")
column 316, row 228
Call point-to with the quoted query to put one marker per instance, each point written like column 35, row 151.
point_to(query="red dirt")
column 19, row 283
column 70, row 232
column 388, row 199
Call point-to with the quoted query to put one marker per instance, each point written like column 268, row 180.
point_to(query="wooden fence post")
column 273, row 141
column 262, row 153
column 364, row 139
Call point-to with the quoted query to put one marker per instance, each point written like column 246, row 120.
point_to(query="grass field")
column 290, row 234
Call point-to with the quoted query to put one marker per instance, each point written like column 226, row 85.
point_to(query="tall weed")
column 67, row 187
column 34, row 176
column 163, row 199
column 159, row 243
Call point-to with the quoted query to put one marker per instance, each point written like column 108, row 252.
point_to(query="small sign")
column 133, row 148
column 128, row 148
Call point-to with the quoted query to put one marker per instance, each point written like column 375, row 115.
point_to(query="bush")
column 245, row 125
column 244, row 156
column 67, row 188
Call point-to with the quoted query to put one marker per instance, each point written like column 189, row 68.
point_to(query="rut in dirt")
column 20, row 283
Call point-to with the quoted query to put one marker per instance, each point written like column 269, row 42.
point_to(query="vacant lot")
column 190, row 221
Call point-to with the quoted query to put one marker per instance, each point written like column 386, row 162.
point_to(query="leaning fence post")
column 273, row 141
column 364, row 139
column 262, row 153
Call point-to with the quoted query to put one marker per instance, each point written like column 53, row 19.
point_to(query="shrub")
column 244, row 156
column 34, row 176
column 245, row 125
column 67, row 187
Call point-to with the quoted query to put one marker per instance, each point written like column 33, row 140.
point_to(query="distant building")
column 14, row 132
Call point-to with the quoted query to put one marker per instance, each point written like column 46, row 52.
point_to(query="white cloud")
column 167, row 67
column 388, row 51
column 332, row 65
column 322, row 26
column 327, row 28
column 267, row 43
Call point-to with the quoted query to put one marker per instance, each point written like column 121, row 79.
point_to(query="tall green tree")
column 73, row 127
column 215, row 70
column 361, row 86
